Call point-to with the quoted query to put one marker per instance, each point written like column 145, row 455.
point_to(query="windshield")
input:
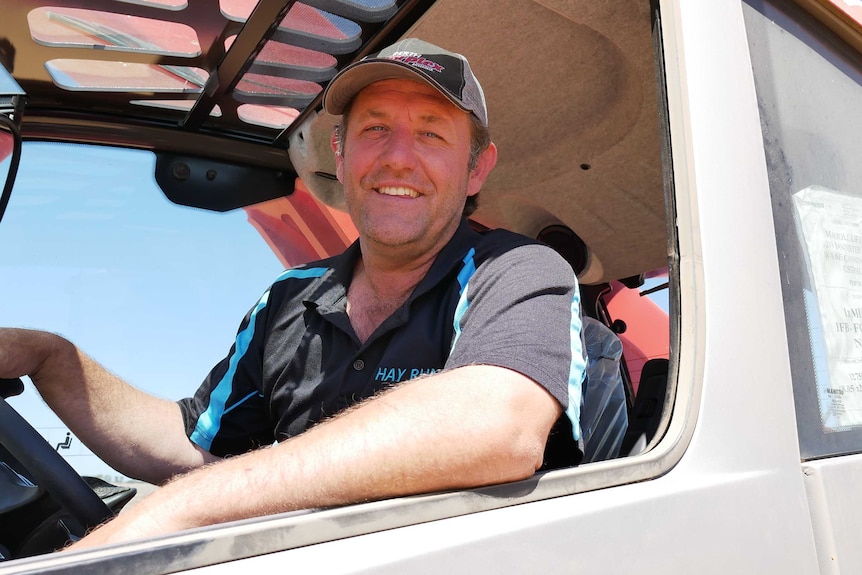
column 90, row 248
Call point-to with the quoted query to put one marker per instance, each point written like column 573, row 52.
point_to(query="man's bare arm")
column 135, row 433
column 472, row 426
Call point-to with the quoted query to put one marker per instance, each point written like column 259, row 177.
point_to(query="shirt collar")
column 450, row 258
column 342, row 266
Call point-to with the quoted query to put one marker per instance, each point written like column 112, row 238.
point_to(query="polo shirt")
column 495, row 298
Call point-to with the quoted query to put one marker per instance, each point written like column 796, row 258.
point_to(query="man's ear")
column 336, row 143
column 486, row 162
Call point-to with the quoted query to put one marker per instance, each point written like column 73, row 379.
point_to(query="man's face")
column 404, row 165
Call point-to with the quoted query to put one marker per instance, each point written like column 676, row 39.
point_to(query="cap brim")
column 355, row 77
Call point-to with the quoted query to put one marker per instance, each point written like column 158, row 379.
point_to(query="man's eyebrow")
column 427, row 118
column 376, row 113
column 432, row 119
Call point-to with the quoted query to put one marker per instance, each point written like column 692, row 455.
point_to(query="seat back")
column 604, row 417
column 646, row 413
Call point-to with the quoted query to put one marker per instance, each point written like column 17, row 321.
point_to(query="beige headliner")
column 574, row 86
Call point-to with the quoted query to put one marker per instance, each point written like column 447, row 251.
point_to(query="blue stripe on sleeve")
column 464, row 276
column 209, row 422
column 577, row 368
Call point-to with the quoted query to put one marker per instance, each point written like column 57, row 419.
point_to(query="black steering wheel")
column 48, row 467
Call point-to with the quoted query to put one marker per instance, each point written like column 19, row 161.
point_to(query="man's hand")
column 23, row 352
column 153, row 516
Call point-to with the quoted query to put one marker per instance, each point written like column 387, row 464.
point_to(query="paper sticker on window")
column 832, row 237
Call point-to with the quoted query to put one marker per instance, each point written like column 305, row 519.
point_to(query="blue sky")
column 91, row 249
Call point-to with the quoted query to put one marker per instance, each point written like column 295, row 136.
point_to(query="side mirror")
column 11, row 108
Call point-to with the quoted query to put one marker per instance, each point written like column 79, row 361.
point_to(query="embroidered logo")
column 399, row 374
column 417, row 60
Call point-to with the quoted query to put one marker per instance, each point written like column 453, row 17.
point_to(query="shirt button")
column 358, row 365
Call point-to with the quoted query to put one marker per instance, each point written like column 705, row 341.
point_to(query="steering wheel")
column 48, row 467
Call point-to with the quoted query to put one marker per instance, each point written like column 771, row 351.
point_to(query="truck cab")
column 695, row 162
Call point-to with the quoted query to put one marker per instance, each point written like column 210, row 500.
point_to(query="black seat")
column 645, row 415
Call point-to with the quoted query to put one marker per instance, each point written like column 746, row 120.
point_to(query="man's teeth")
column 390, row 191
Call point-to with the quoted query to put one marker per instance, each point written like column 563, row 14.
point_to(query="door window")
column 809, row 89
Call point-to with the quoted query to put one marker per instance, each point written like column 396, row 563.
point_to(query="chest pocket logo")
column 399, row 374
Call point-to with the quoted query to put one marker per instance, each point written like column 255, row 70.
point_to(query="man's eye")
column 431, row 135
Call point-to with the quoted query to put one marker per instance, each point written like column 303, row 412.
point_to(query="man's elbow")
column 522, row 449
column 531, row 417
column 523, row 455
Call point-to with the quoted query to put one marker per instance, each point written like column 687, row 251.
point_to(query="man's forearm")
column 139, row 435
column 469, row 427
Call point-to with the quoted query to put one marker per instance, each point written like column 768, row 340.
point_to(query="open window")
column 152, row 280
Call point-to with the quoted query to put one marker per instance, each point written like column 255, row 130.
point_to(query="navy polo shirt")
column 495, row 298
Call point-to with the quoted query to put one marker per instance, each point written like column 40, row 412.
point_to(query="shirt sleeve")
column 520, row 310
column 228, row 414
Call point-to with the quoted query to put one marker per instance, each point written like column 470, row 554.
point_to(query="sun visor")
column 314, row 161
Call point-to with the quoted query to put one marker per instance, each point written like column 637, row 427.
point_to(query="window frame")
column 817, row 37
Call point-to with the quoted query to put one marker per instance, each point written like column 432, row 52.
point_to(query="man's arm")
column 472, row 426
column 135, row 433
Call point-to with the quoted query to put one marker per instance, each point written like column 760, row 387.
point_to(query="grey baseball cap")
column 412, row 59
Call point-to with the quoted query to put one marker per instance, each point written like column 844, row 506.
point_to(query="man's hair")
column 480, row 139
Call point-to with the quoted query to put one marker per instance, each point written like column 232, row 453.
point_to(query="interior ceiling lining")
column 583, row 77
column 590, row 163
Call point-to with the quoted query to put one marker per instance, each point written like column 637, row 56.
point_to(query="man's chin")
column 392, row 239
column 394, row 229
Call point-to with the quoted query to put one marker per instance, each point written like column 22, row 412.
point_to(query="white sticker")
column 831, row 225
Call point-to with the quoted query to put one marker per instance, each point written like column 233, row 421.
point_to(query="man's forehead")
column 401, row 88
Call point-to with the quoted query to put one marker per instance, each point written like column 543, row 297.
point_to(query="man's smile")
column 397, row 191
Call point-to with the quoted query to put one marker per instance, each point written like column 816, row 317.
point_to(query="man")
column 448, row 355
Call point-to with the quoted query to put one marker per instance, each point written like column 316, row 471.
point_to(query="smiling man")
column 426, row 357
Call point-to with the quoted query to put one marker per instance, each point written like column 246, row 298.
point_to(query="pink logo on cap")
column 417, row 60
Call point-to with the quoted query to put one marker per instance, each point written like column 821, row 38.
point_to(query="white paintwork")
column 836, row 502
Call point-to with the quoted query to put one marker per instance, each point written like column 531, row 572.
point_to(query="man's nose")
column 400, row 149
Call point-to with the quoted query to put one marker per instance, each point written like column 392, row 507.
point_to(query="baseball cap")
column 412, row 59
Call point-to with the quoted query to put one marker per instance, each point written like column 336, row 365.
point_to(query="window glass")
column 178, row 105
column 261, row 88
column 90, row 248
column 82, row 75
column 57, row 26
column 301, row 19
column 164, row 4
column 269, row 116
column 639, row 315
column 810, row 91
